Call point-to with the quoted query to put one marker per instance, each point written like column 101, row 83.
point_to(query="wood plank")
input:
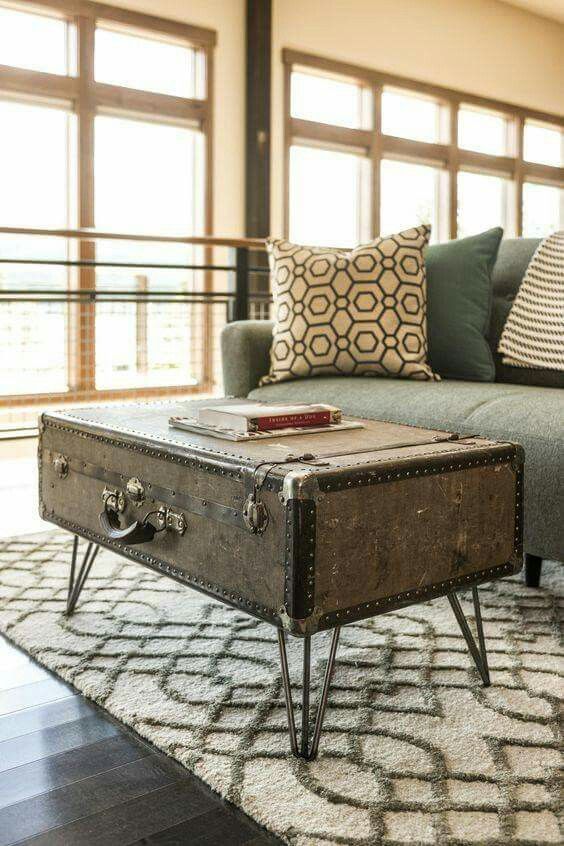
column 44, row 716
column 328, row 135
column 257, row 142
column 55, row 771
column 216, row 826
column 30, row 695
column 37, row 83
column 148, row 104
column 54, row 740
column 131, row 821
column 23, row 672
column 93, row 795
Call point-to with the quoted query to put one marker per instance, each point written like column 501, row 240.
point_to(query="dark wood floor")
column 72, row 776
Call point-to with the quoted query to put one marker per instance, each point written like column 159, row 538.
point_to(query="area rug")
column 415, row 750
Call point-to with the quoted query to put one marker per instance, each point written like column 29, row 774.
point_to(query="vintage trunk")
column 307, row 532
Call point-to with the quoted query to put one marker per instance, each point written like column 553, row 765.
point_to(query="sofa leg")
column 533, row 564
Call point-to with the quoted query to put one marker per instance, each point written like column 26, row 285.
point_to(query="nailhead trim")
column 378, row 606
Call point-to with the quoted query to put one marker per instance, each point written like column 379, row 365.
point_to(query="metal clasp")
column 135, row 490
column 255, row 515
column 113, row 500
column 173, row 520
column 61, row 465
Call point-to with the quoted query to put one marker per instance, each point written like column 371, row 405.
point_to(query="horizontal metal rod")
column 143, row 265
column 89, row 292
column 104, row 299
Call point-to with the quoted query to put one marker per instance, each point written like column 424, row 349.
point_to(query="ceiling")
column 549, row 8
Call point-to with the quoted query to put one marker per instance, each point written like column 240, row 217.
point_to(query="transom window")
column 379, row 153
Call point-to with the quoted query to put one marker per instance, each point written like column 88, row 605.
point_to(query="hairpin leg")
column 77, row 579
column 306, row 750
column 478, row 652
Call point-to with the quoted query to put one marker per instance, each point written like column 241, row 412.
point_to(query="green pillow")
column 459, row 300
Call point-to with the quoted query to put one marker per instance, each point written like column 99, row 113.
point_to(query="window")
column 147, row 64
column 146, row 172
column 543, row 210
column 484, row 132
column 544, row 144
column 36, row 42
column 482, row 203
column 327, row 100
column 408, row 116
column 326, row 190
column 410, row 195
column 461, row 163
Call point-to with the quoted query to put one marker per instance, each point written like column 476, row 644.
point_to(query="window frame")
column 448, row 156
column 80, row 94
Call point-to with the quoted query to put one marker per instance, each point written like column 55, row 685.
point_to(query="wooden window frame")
column 375, row 145
column 86, row 98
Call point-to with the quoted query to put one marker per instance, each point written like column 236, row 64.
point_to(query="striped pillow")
column 533, row 335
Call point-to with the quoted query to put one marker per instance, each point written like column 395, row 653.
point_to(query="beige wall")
column 227, row 17
column 480, row 46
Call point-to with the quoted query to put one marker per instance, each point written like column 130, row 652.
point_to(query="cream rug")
column 415, row 750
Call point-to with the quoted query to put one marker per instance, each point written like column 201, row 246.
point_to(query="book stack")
column 255, row 420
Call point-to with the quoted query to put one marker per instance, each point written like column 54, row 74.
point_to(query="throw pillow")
column 357, row 313
column 533, row 335
column 459, row 302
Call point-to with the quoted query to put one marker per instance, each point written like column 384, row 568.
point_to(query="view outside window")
column 482, row 131
column 133, row 61
column 409, row 116
column 327, row 100
column 35, row 157
column 543, row 210
column 543, row 144
column 145, row 173
column 148, row 178
column 326, row 206
column 35, row 42
column 482, row 203
column 410, row 196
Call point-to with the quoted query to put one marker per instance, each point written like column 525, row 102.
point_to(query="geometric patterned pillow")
column 357, row 313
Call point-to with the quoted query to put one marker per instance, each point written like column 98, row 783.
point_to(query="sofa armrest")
column 245, row 354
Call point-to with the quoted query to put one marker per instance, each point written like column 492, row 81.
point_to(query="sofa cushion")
column 523, row 414
column 459, row 299
column 350, row 313
column 512, row 261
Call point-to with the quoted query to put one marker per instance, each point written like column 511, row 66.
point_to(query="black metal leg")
column 478, row 652
column 533, row 565
column 77, row 580
column 306, row 751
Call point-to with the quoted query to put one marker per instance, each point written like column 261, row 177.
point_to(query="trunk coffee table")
column 308, row 532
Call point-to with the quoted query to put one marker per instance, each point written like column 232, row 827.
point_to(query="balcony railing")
column 88, row 315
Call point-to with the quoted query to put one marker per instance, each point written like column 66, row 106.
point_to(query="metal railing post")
column 241, row 302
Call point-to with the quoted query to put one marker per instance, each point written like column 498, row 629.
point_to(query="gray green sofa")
column 522, row 405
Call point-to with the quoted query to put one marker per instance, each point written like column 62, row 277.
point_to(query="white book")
column 192, row 424
column 265, row 417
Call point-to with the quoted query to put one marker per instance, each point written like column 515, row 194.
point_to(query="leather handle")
column 137, row 532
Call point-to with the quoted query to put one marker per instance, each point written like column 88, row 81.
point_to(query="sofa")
column 522, row 405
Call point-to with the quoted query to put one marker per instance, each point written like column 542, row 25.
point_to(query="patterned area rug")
column 415, row 750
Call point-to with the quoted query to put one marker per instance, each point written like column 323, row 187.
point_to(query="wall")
column 482, row 47
column 227, row 18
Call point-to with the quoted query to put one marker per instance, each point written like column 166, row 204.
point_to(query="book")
column 266, row 417
column 192, row 424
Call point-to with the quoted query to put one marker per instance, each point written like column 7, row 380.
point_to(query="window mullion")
column 85, row 337
column 376, row 156
column 519, row 173
column 453, row 167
